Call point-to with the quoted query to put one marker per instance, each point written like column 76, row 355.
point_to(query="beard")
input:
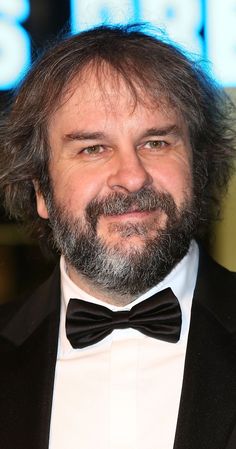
column 114, row 268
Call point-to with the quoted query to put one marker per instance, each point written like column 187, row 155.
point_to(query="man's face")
column 120, row 173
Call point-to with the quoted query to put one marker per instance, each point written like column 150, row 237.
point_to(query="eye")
column 155, row 144
column 92, row 150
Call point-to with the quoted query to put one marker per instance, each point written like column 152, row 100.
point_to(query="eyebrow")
column 171, row 129
column 83, row 135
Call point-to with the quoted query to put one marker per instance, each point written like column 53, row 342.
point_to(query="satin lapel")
column 27, row 370
column 207, row 412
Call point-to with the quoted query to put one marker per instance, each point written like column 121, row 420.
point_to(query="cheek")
column 181, row 181
column 76, row 190
column 175, row 179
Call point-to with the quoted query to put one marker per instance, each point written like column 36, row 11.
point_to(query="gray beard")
column 114, row 269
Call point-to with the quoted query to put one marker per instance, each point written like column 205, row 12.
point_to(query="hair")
column 150, row 65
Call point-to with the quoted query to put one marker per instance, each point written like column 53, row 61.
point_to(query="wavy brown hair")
column 150, row 65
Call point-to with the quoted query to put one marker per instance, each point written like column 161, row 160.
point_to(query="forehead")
column 104, row 92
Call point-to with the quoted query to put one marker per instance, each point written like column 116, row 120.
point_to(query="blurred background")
column 206, row 28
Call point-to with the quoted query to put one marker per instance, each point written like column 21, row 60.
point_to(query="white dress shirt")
column 123, row 392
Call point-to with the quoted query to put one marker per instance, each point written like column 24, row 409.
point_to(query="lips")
column 135, row 214
column 132, row 210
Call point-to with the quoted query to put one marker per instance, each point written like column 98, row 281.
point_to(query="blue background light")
column 14, row 42
column 204, row 27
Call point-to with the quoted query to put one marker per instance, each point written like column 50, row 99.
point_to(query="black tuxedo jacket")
column 207, row 413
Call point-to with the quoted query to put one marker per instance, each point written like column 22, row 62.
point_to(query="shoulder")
column 216, row 290
column 22, row 316
column 215, row 275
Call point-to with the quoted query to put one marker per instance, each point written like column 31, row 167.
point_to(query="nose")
column 129, row 173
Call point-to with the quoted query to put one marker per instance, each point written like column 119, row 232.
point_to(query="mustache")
column 145, row 200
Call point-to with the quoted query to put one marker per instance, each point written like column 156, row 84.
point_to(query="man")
column 114, row 151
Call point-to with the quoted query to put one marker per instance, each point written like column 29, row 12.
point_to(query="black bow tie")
column 158, row 317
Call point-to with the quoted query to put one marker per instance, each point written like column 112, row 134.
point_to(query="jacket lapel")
column 27, row 370
column 207, row 411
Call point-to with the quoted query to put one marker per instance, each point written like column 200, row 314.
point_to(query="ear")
column 40, row 202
